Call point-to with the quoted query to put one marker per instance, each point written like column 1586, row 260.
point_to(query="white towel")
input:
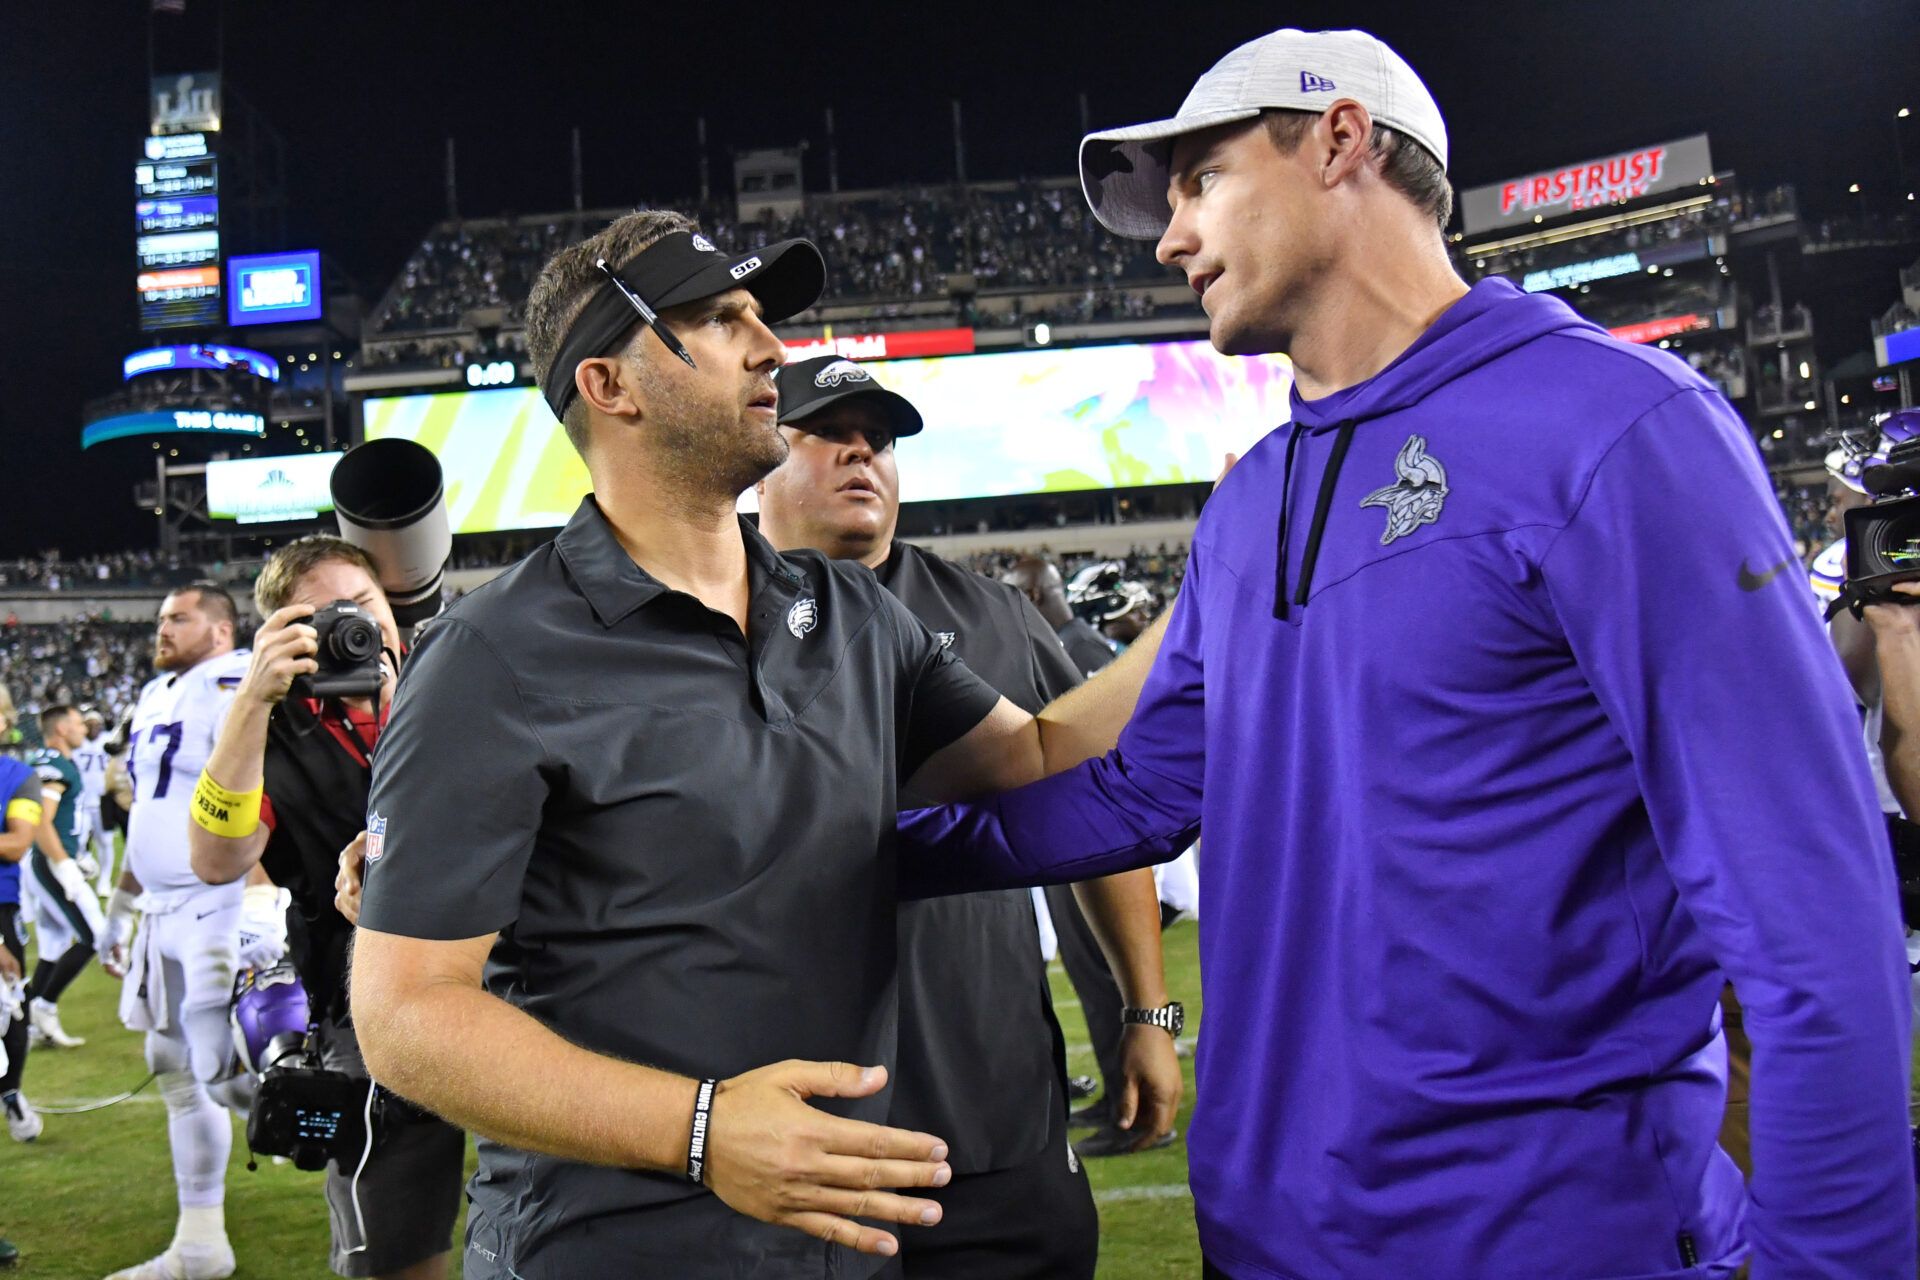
column 143, row 995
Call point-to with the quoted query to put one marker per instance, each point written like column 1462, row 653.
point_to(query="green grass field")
column 95, row 1193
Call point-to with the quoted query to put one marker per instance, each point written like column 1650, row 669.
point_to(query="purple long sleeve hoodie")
column 1529, row 743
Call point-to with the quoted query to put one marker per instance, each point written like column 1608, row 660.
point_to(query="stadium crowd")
column 1711, row 219
column 95, row 661
column 898, row 244
column 135, row 569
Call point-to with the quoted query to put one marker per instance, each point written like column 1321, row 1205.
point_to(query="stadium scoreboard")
column 176, row 216
column 273, row 288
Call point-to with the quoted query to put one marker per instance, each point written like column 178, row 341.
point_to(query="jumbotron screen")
column 1017, row 422
column 285, row 487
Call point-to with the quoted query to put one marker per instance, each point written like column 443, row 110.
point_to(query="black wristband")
column 697, row 1144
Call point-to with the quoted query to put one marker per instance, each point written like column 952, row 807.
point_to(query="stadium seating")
column 881, row 247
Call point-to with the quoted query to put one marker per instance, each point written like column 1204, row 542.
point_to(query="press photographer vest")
column 317, row 777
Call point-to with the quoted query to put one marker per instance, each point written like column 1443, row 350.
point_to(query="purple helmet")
column 267, row 1004
column 1847, row 463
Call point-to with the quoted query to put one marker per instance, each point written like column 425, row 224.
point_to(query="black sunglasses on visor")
column 683, row 266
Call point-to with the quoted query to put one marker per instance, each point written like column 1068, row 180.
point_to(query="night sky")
column 366, row 95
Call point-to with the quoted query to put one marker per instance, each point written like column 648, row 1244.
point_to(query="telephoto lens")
column 390, row 502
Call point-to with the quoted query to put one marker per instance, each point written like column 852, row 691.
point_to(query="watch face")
column 1179, row 1014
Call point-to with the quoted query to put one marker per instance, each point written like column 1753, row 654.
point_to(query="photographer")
column 1895, row 632
column 1879, row 642
column 292, row 772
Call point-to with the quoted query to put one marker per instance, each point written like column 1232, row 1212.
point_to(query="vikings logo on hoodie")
column 1419, row 495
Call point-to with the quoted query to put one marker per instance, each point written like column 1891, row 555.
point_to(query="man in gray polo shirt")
column 629, row 889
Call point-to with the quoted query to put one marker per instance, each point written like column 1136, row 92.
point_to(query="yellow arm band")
column 28, row 809
column 233, row 814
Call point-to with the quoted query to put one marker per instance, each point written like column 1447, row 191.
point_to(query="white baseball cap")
column 1125, row 178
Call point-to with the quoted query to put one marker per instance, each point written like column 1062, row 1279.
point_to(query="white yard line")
column 1156, row 1191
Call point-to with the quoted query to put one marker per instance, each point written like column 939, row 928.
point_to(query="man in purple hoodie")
column 1513, row 738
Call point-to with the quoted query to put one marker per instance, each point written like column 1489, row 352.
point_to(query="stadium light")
column 1806, row 370
column 1902, row 114
column 1812, row 405
column 1854, row 190
column 1846, row 399
column 1778, row 433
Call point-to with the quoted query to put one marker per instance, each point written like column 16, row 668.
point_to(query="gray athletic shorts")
column 409, row 1191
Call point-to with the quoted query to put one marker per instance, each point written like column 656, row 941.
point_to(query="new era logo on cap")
column 1124, row 171
column 703, row 244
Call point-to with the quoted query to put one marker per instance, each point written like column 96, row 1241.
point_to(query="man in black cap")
column 635, row 805
column 978, row 1040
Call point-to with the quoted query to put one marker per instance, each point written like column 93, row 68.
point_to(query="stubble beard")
column 711, row 450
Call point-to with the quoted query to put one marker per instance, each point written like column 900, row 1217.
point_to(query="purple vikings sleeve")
column 1137, row 805
column 1677, row 587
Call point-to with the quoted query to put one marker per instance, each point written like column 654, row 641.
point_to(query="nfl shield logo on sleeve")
column 376, row 836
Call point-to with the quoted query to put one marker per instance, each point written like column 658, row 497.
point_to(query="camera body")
column 1883, row 537
column 349, row 656
column 305, row 1112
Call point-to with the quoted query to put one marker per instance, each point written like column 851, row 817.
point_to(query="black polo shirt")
column 685, row 839
column 980, row 1052
column 1087, row 648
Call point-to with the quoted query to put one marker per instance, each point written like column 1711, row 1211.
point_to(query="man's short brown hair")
column 273, row 589
column 568, row 280
column 1408, row 167
column 214, row 600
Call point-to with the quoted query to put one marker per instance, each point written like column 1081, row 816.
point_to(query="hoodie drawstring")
column 1323, row 504
column 1280, row 561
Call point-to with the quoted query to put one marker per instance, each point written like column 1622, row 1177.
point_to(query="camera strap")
column 340, row 725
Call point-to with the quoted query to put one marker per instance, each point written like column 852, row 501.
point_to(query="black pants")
column 1093, row 982
column 1035, row 1221
column 16, row 1037
column 52, row 978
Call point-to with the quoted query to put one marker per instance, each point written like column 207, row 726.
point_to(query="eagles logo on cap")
column 810, row 385
column 841, row 371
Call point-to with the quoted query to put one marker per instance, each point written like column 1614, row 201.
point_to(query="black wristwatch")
column 1170, row 1018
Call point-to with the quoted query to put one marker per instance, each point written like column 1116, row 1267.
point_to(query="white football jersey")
column 175, row 724
column 1828, row 573
column 91, row 760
